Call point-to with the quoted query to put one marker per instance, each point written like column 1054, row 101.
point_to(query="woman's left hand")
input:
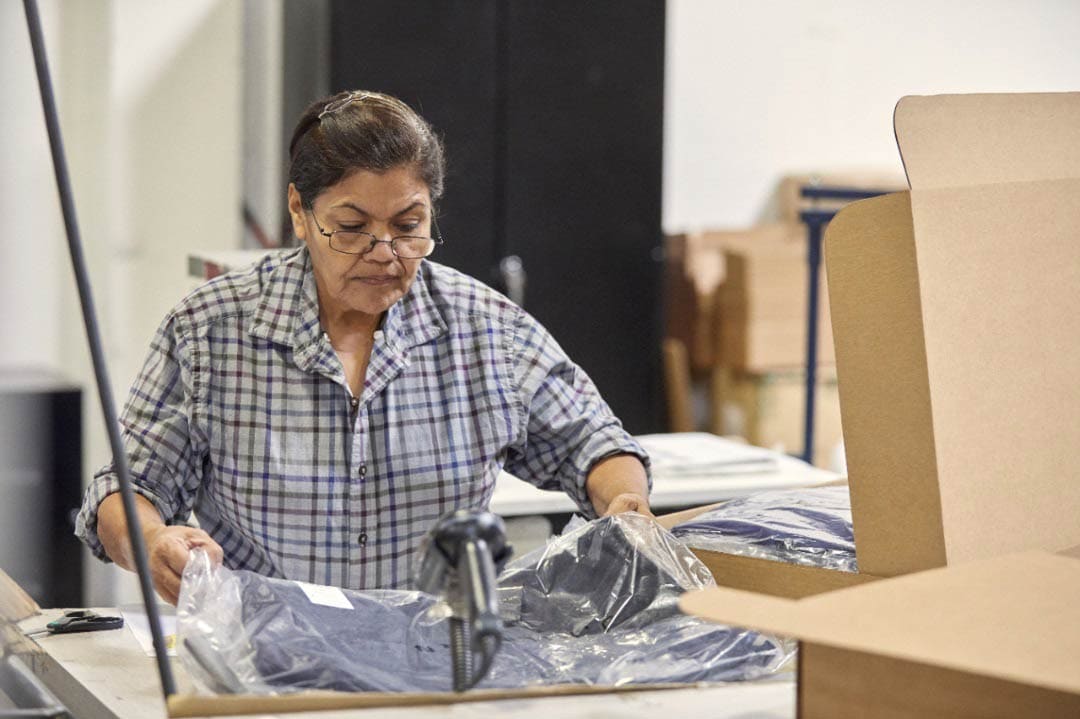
column 628, row 502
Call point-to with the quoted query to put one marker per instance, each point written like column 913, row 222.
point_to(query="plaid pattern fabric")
column 242, row 414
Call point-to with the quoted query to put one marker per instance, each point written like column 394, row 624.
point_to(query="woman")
column 320, row 410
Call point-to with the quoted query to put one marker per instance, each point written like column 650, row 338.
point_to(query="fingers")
column 168, row 557
column 169, row 551
column 628, row 503
column 204, row 541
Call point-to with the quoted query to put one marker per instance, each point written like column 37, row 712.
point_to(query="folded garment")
column 802, row 526
column 597, row 605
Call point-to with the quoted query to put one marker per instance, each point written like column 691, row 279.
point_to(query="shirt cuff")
column 100, row 487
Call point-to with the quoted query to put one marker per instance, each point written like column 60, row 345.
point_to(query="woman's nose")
column 381, row 250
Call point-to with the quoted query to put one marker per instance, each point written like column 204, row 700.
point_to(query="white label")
column 326, row 596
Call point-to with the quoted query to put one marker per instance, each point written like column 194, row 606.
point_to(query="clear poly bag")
column 596, row 605
column 801, row 526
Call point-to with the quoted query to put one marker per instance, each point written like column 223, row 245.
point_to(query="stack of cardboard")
column 693, row 273
column 738, row 298
column 761, row 303
column 957, row 323
column 738, row 302
column 768, row 409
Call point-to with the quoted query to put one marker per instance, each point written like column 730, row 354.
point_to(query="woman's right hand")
column 169, row 548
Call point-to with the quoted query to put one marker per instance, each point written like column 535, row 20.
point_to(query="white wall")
column 30, row 253
column 150, row 102
column 756, row 90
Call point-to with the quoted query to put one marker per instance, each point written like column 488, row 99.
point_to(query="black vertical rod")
column 93, row 336
column 500, row 213
column 813, row 264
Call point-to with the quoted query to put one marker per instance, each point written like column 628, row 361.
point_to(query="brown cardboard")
column 996, row 637
column 189, row 705
column 884, row 405
column 768, row 409
column 761, row 316
column 958, row 372
column 15, row 604
column 761, row 303
column 1073, row 552
column 957, row 327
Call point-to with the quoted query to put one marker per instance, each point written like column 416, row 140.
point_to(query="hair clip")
column 353, row 96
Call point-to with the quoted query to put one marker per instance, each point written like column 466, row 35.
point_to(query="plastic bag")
column 804, row 526
column 597, row 605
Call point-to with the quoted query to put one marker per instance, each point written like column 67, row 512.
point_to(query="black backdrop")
column 552, row 114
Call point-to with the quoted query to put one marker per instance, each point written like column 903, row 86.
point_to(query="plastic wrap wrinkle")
column 804, row 526
column 596, row 605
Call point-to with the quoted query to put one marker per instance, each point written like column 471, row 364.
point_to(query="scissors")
column 83, row 620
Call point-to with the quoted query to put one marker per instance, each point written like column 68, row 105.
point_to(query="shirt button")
column 361, row 539
column 354, row 402
column 363, row 470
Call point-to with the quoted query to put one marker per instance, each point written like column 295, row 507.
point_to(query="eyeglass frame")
column 437, row 239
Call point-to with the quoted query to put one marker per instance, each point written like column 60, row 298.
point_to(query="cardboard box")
column 15, row 603
column 768, row 410
column 739, row 297
column 956, row 317
column 993, row 638
column 693, row 271
column 761, row 310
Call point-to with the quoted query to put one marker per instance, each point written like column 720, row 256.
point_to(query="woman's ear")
column 296, row 212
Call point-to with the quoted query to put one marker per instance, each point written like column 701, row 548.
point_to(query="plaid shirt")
column 242, row 413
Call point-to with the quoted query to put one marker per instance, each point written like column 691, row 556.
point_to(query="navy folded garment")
column 802, row 526
column 597, row 605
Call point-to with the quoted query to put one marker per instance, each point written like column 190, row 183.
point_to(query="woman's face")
column 386, row 204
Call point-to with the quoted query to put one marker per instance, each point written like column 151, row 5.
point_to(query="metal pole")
column 813, row 271
column 93, row 336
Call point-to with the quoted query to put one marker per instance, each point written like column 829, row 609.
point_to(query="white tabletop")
column 513, row 497
column 106, row 675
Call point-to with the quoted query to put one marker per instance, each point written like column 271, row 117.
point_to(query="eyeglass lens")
column 358, row 243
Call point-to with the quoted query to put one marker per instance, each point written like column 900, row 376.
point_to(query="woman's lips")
column 377, row 279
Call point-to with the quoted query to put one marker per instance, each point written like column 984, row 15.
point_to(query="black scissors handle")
column 82, row 620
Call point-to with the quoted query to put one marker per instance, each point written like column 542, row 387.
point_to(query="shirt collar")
column 288, row 311
column 414, row 319
column 288, row 308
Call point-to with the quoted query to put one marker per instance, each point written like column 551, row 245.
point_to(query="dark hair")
column 361, row 130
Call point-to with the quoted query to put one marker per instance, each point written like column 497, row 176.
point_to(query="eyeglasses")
column 357, row 242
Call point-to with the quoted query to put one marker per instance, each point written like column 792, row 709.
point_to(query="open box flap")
column 943, row 300
column 995, row 204
column 884, row 405
column 1010, row 617
column 965, row 140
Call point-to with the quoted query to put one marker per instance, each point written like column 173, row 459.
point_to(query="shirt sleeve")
column 156, row 431
column 568, row 427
